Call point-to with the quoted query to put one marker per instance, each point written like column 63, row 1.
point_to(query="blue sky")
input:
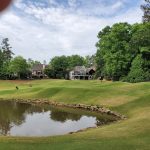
column 42, row 29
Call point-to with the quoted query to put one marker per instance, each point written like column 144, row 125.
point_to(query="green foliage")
column 31, row 62
column 90, row 61
column 118, row 46
column 113, row 56
column 139, row 70
column 19, row 66
column 6, row 48
column 1, row 60
column 140, row 44
column 140, row 38
column 49, row 72
column 145, row 50
column 5, row 57
column 75, row 60
column 58, row 67
column 61, row 65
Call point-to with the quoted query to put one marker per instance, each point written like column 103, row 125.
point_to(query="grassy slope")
column 133, row 100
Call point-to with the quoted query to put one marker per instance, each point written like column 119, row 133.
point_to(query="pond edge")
column 92, row 108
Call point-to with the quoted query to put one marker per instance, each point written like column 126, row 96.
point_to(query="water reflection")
column 11, row 113
column 17, row 119
column 64, row 116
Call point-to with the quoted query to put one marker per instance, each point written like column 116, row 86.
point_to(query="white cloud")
column 117, row 5
column 42, row 33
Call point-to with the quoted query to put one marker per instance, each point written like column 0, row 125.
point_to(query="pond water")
column 19, row 119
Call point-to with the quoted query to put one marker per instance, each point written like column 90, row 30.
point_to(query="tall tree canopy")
column 123, row 50
column 146, row 10
column 114, row 56
column 140, row 44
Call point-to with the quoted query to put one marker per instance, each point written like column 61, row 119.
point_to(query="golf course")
column 131, row 100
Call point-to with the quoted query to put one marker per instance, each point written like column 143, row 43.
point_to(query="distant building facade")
column 82, row 73
column 38, row 71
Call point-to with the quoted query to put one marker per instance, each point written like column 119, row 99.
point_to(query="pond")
column 20, row 119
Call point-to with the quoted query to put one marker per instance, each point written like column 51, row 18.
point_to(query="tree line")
column 13, row 68
column 20, row 68
column 123, row 53
column 60, row 66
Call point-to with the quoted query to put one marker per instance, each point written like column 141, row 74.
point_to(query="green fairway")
column 132, row 100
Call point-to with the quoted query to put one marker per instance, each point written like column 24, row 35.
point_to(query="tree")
column 146, row 10
column 140, row 71
column 50, row 72
column 59, row 65
column 123, row 52
column 19, row 67
column 75, row 60
column 113, row 55
column 5, row 57
column 140, row 44
column 1, row 60
column 99, row 54
column 140, row 38
column 90, row 61
column 6, row 48
column 31, row 62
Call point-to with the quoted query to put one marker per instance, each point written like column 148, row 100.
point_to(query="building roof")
column 79, row 68
column 38, row 67
column 83, row 69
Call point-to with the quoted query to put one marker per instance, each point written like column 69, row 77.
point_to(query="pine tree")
column 5, row 57
column 6, row 49
column 146, row 9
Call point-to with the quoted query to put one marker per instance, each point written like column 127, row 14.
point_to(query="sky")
column 42, row 29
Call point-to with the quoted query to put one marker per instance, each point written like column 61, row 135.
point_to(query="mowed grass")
column 132, row 100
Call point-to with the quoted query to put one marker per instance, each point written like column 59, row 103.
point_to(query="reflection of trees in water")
column 11, row 113
column 104, row 120
column 35, row 109
column 5, row 127
column 64, row 116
